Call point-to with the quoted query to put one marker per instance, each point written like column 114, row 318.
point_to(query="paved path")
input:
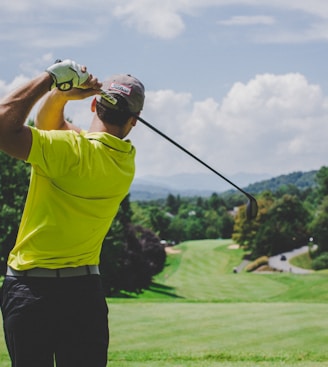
column 241, row 266
column 276, row 262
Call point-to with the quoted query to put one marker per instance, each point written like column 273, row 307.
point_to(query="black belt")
column 55, row 273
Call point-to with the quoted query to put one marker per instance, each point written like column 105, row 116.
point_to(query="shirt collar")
column 111, row 141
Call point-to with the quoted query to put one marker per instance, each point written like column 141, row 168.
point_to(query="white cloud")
column 282, row 94
column 273, row 118
column 273, row 123
column 160, row 19
column 243, row 20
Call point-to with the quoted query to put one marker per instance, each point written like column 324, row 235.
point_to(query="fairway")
column 214, row 334
column 198, row 313
column 203, row 271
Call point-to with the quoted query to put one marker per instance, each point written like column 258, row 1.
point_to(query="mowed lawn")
column 216, row 334
column 199, row 313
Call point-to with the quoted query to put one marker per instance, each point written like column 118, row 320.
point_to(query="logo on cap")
column 120, row 88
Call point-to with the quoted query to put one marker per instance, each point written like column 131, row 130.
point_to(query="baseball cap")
column 126, row 86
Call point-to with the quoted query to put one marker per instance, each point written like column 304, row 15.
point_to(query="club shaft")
column 192, row 155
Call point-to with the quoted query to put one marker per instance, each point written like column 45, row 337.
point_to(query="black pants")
column 62, row 319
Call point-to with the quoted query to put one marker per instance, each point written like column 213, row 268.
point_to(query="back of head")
column 126, row 98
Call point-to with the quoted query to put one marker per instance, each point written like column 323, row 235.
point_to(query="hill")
column 302, row 180
column 203, row 271
column 196, row 184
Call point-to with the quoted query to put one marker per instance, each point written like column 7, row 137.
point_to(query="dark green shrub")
column 320, row 262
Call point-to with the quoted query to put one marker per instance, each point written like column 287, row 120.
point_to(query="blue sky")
column 242, row 84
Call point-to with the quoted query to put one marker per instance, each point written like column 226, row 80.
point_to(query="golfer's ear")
column 93, row 105
column 134, row 121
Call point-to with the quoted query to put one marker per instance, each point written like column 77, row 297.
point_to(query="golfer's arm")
column 50, row 115
column 15, row 137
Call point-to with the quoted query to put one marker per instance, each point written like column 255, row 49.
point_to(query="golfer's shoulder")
column 56, row 135
column 48, row 143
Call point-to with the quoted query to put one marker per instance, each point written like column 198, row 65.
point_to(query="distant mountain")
column 196, row 184
column 302, row 180
column 187, row 184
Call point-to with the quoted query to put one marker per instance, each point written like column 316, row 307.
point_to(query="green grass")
column 302, row 261
column 155, row 334
column 209, row 334
column 199, row 313
column 203, row 271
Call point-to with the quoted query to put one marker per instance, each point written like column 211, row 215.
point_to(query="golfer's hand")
column 89, row 88
column 68, row 74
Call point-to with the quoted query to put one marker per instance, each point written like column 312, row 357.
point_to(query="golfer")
column 52, row 300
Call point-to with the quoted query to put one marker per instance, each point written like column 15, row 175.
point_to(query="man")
column 52, row 301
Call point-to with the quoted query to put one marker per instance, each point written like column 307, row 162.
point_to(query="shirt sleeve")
column 54, row 152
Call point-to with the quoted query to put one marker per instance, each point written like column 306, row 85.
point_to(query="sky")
column 242, row 84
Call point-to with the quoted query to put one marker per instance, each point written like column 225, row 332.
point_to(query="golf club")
column 251, row 206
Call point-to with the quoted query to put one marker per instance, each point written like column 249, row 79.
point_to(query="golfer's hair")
column 113, row 116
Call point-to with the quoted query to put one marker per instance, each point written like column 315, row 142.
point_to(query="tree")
column 173, row 203
column 177, row 230
column 322, row 180
column 140, row 214
column 131, row 255
column 215, row 202
column 244, row 231
column 14, row 181
column 284, row 229
column 319, row 227
column 227, row 223
column 160, row 221
column 286, row 189
column 218, row 223
column 153, row 252
column 134, row 256
column 195, row 228
column 213, row 224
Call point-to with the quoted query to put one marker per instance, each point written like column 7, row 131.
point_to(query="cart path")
column 276, row 263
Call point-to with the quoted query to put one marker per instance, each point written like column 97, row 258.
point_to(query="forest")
column 290, row 216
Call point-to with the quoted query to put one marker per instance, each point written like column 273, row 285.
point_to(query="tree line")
column 134, row 249
column 289, row 217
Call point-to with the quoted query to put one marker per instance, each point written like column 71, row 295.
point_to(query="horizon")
column 195, row 184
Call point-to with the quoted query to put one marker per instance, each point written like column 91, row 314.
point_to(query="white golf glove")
column 67, row 74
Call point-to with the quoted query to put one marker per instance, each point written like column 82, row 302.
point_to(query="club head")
column 251, row 208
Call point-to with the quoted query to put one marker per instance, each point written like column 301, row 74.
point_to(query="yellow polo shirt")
column 77, row 184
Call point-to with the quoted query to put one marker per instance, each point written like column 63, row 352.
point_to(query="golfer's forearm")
column 50, row 115
column 15, row 137
column 15, row 108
